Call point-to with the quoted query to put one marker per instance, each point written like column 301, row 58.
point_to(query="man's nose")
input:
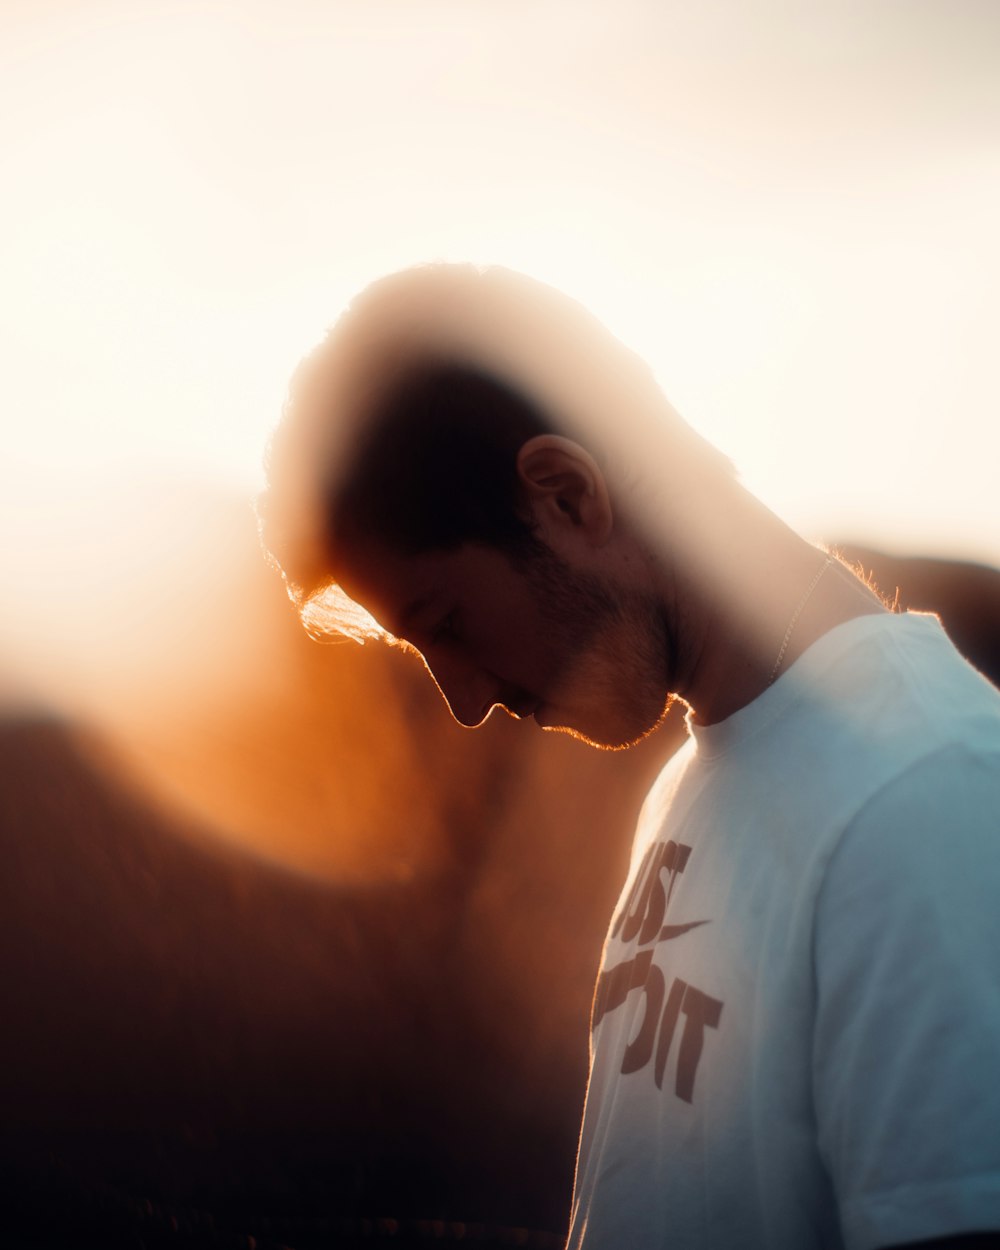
column 470, row 692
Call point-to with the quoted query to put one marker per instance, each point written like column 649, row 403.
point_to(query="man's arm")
column 908, row 1008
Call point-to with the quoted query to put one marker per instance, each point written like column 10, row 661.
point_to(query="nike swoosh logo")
column 675, row 930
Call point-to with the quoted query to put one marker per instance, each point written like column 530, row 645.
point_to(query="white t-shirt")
column 796, row 1036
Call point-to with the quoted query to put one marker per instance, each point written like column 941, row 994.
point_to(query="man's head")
column 553, row 623
column 436, row 465
column 457, row 456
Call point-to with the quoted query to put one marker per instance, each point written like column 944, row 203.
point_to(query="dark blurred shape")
column 188, row 1030
column 965, row 596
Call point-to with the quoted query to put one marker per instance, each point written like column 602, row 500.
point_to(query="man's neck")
column 755, row 599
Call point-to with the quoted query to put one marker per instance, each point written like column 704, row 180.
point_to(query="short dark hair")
column 404, row 424
column 437, row 465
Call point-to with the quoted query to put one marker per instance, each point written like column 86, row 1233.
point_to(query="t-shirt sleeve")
column 907, row 1042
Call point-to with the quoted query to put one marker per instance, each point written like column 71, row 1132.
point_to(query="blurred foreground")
column 288, row 958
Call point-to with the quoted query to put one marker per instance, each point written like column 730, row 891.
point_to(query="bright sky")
column 790, row 208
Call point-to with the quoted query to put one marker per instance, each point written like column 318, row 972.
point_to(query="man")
column 796, row 1029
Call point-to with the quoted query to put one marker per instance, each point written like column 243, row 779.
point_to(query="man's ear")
column 565, row 486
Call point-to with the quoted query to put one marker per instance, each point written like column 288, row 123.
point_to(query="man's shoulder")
column 896, row 686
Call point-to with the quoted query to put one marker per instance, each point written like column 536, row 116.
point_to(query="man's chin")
column 605, row 737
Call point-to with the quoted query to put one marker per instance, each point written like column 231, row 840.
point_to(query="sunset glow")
column 789, row 210
column 292, row 953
